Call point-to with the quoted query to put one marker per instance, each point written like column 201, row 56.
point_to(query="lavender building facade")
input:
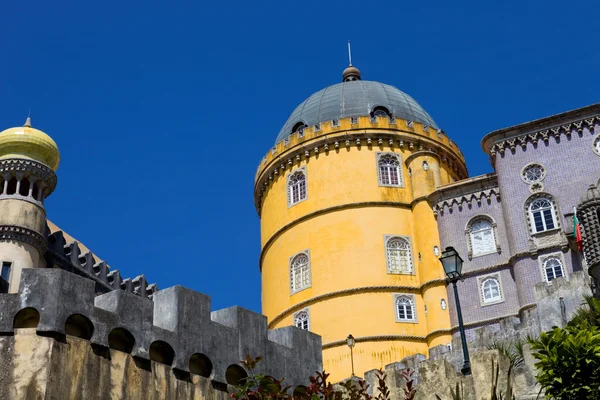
column 514, row 227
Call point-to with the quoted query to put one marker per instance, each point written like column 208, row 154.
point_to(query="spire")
column 28, row 120
column 351, row 73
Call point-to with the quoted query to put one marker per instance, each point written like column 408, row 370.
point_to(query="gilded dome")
column 28, row 142
column 354, row 98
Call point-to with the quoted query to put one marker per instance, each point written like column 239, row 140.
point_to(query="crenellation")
column 176, row 318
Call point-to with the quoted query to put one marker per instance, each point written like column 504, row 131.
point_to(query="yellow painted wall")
column 342, row 224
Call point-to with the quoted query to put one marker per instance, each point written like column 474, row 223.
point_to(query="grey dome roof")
column 354, row 99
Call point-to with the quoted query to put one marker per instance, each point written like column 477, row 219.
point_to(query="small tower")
column 28, row 161
column 588, row 213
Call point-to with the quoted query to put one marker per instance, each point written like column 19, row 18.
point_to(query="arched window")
column 299, row 272
column 390, row 173
column 541, row 214
column 553, row 268
column 380, row 112
column 299, row 127
column 405, row 309
column 296, row 187
column 481, row 235
column 491, row 290
column 302, row 320
column 399, row 257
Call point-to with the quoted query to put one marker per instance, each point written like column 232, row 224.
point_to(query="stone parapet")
column 177, row 321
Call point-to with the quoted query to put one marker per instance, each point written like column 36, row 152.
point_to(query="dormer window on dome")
column 380, row 111
column 299, row 128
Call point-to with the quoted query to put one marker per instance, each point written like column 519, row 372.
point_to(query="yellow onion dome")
column 28, row 142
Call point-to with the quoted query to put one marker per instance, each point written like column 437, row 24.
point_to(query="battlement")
column 69, row 256
column 175, row 328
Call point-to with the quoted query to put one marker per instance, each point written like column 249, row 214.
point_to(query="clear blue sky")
column 162, row 111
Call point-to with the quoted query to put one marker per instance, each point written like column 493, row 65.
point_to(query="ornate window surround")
column 529, row 216
column 287, row 186
column 480, row 281
column 542, row 260
column 398, row 156
column 468, row 235
column 596, row 145
column 544, row 173
column 411, row 260
column 304, row 311
column 411, row 298
column 294, row 290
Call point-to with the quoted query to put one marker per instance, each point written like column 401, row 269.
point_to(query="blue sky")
column 162, row 111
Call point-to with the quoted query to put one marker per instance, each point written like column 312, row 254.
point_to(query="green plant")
column 569, row 361
column 513, row 350
column 258, row 386
column 456, row 394
column 590, row 313
column 495, row 393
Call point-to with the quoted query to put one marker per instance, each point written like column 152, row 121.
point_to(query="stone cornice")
column 30, row 169
column 355, row 291
column 476, row 189
column 542, row 129
column 282, row 158
column 9, row 233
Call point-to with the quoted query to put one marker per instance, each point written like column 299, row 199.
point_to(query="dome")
column 28, row 142
column 354, row 99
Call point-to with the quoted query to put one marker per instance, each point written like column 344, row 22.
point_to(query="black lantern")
column 350, row 341
column 452, row 263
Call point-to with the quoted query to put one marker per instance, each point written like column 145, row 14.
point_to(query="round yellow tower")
column 28, row 161
column 349, row 242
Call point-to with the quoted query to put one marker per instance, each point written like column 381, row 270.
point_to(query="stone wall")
column 93, row 346
column 555, row 305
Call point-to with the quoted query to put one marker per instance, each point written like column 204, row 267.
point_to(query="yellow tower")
column 28, row 161
column 349, row 242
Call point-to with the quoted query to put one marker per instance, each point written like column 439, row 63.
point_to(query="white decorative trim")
column 411, row 260
column 412, row 299
column 529, row 215
column 470, row 223
column 290, row 201
column 543, row 134
column 480, row 282
column 299, row 288
column 542, row 260
column 378, row 156
column 531, row 165
column 303, row 311
column 596, row 145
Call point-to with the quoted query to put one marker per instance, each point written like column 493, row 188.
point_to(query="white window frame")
column 305, row 273
column 530, row 165
column 411, row 264
column 481, row 281
column 411, row 299
column 10, row 271
column 531, row 214
column 399, row 170
column 554, row 256
column 596, row 145
column 290, row 189
column 469, row 236
column 297, row 315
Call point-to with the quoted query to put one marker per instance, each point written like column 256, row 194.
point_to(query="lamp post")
column 452, row 264
column 351, row 342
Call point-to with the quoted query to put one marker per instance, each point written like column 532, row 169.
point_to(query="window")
column 302, row 320
column 596, row 145
column 541, row 213
column 405, row 309
column 491, row 290
column 296, row 187
column 5, row 277
column 533, row 173
column 299, row 272
column 390, row 173
column 481, row 234
column 380, row 112
column 553, row 268
column 299, row 127
column 399, row 257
